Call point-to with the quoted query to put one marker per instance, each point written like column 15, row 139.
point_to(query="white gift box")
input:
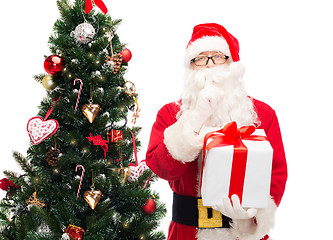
column 257, row 179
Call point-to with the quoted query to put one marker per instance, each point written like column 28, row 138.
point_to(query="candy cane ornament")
column 78, row 191
column 78, row 96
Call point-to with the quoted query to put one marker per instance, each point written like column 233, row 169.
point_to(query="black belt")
column 190, row 211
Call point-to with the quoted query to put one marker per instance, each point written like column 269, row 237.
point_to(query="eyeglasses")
column 203, row 60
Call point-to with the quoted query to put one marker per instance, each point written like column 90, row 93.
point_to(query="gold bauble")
column 92, row 197
column 48, row 82
column 123, row 174
column 90, row 111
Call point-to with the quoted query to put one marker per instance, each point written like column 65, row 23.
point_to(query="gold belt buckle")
column 205, row 221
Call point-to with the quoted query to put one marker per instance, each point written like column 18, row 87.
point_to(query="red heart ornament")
column 137, row 170
column 39, row 129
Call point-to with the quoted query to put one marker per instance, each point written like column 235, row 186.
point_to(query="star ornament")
column 33, row 200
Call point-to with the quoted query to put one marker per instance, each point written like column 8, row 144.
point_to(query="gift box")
column 115, row 135
column 74, row 232
column 237, row 161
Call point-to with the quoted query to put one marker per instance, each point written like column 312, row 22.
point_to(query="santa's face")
column 233, row 102
column 209, row 59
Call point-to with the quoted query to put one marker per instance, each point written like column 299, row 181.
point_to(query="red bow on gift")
column 231, row 135
column 99, row 3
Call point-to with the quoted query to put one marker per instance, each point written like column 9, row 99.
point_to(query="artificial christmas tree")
column 76, row 183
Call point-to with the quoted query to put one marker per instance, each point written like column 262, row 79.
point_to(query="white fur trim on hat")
column 206, row 44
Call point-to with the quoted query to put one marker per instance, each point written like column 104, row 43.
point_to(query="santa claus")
column 213, row 96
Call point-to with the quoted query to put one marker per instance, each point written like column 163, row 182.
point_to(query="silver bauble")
column 43, row 228
column 65, row 236
column 84, row 33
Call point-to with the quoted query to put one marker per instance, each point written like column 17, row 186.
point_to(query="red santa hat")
column 211, row 37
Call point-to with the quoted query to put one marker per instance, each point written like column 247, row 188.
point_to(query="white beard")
column 234, row 104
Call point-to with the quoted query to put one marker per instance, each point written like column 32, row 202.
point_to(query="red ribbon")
column 99, row 3
column 98, row 141
column 51, row 107
column 137, row 162
column 231, row 135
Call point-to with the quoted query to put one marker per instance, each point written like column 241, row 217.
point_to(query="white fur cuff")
column 182, row 142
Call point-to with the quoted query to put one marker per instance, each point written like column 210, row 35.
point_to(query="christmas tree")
column 81, row 176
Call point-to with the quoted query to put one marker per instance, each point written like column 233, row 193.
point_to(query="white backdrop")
column 286, row 46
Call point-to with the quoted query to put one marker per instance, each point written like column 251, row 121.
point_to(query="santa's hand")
column 234, row 210
column 207, row 103
column 208, row 99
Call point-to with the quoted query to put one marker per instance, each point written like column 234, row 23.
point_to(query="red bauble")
column 149, row 207
column 127, row 55
column 54, row 64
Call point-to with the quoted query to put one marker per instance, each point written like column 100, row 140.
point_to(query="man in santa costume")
column 213, row 96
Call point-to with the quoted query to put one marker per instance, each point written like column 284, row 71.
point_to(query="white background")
column 286, row 46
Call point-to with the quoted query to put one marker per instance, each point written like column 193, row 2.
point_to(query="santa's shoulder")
column 264, row 112
column 261, row 106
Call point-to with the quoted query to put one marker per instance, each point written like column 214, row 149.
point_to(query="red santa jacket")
column 182, row 177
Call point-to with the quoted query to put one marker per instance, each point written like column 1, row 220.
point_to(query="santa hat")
column 211, row 37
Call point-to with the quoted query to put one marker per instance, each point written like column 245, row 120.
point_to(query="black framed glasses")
column 216, row 59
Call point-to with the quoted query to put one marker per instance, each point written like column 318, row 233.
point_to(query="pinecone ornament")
column 52, row 157
column 117, row 60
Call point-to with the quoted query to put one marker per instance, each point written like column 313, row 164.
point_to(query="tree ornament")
column 129, row 88
column 84, row 33
column 39, row 129
column 74, row 232
column 78, row 96
column 98, row 141
column 65, row 236
column 5, row 184
column 115, row 136
column 126, row 54
column 138, row 168
column 78, row 191
column 90, row 111
column 149, row 207
column 33, row 200
column 52, row 157
column 54, row 64
column 48, row 82
column 43, row 228
column 123, row 173
column 92, row 196
column 109, row 64
column 116, row 61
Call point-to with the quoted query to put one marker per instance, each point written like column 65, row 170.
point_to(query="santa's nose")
column 210, row 63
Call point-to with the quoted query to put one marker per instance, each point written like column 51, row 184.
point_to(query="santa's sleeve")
column 171, row 145
column 264, row 220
